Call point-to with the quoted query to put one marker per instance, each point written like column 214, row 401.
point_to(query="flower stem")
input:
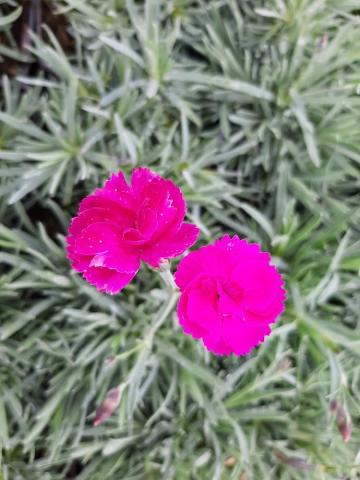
column 167, row 276
column 168, row 307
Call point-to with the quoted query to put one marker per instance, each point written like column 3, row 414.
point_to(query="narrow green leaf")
column 11, row 17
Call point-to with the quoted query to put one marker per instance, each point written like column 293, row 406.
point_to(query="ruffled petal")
column 271, row 313
column 260, row 283
column 202, row 304
column 117, row 185
column 190, row 267
column 197, row 310
column 140, row 178
column 119, row 259
column 95, row 215
column 241, row 336
column 217, row 345
column 169, row 247
column 123, row 204
column 210, row 259
column 147, row 221
column 241, row 248
column 149, row 189
column 175, row 208
column 193, row 329
column 97, row 238
column 161, row 195
column 78, row 262
column 107, row 280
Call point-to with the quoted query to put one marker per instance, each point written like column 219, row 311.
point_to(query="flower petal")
column 78, row 262
column 174, row 212
column 162, row 195
column 217, row 345
column 197, row 310
column 147, row 221
column 107, row 280
column 261, row 283
column 189, row 328
column 149, row 189
column 140, row 177
column 123, row 204
column 202, row 300
column 169, row 247
column 241, row 336
column 190, row 266
column 270, row 313
column 117, row 184
column 97, row 238
column 95, row 215
column 120, row 259
column 209, row 259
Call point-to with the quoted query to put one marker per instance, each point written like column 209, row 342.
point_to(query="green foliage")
column 252, row 107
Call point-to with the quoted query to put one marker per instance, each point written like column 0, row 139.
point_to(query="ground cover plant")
column 252, row 108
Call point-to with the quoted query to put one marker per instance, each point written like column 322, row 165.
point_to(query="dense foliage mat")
column 252, row 107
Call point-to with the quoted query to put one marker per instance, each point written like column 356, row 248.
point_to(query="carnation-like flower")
column 230, row 294
column 121, row 224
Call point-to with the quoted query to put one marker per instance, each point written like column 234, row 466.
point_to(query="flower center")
column 235, row 292
column 228, row 300
column 144, row 226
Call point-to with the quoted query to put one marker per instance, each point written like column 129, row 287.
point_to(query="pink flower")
column 230, row 294
column 119, row 225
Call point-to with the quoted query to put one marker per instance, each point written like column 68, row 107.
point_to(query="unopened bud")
column 104, row 411
column 295, row 462
column 230, row 462
column 343, row 419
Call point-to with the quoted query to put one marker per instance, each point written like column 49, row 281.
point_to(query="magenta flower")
column 230, row 294
column 119, row 225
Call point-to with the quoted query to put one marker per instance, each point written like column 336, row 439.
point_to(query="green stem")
column 168, row 307
column 167, row 276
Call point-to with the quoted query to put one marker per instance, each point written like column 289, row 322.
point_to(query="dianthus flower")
column 230, row 294
column 121, row 224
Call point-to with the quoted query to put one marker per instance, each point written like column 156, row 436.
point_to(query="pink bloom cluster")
column 119, row 225
column 230, row 294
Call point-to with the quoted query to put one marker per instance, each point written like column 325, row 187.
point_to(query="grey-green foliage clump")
column 252, row 108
